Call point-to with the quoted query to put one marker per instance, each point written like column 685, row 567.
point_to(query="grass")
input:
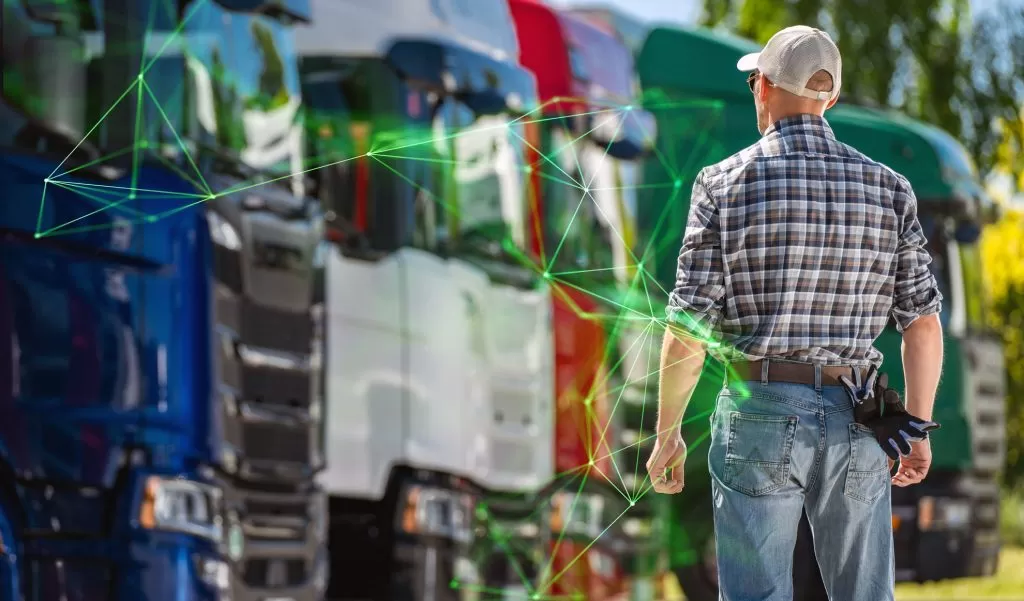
column 1007, row 584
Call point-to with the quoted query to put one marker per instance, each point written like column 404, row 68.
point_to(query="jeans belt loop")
column 764, row 372
column 817, row 377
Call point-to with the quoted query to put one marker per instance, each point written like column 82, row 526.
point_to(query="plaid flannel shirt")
column 800, row 248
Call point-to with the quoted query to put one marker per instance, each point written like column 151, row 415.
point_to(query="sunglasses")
column 752, row 80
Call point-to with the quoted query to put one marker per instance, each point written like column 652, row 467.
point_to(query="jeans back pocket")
column 758, row 452
column 867, row 476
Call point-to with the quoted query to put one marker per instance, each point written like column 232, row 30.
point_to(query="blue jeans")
column 777, row 449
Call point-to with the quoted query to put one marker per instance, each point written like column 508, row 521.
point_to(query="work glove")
column 879, row 407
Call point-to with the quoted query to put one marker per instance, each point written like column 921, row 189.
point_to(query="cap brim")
column 748, row 62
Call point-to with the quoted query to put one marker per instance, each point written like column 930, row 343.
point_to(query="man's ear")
column 832, row 103
column 762, row 88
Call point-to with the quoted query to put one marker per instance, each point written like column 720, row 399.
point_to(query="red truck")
column 583, row 180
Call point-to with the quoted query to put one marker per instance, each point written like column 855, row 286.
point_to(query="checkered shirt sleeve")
column 915, row 292
column 695, row 304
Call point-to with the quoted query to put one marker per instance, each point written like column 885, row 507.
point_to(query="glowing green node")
column 131, row 196
column 628, row 107
column 152, row 218
column 211, row 197
column 454, row 584
column 632, row 503
column 679, row 183
column 140, row 77
column 38, row 235
column 547, row 276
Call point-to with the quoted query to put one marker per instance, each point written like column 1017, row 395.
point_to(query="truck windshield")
column 243, row 71
column 579, row 238
column 485, row 200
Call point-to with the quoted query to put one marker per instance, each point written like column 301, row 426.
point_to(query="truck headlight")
column 935, row 513
column 434, row 511
column 223, row 233
column 179, row 505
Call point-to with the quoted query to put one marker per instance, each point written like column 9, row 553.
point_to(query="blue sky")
column 685, row 11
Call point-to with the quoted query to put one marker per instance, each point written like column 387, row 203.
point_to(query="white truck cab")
column 439, row 360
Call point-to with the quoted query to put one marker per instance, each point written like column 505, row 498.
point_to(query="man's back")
column 817, row 244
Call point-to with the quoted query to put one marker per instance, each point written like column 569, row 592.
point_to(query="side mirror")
column 56, row 79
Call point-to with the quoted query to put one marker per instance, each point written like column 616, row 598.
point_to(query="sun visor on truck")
column 485, row 85
column 424, row 62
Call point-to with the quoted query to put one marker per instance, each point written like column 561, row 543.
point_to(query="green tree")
column 1003, row 255
column 932, row 59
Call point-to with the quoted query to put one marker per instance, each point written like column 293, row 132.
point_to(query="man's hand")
column 665, row 466
column 914, row 467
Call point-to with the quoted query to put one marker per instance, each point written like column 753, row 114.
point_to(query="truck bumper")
column 183, row 567
column 434, row 568
column 939, row 552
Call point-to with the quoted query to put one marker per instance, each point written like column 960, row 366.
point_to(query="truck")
column 946, row 526
column 583, row 225
column 159, row 380
column 440, row 352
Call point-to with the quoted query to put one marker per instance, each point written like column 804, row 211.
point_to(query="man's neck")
column 789, row 114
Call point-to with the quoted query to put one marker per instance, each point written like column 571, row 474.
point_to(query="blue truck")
column 160, row 387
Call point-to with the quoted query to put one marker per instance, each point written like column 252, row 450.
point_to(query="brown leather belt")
column 792, row 373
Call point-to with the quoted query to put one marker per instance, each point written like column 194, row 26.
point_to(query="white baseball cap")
column 793, row 56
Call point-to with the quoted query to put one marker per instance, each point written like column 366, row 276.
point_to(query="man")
column 798, row 249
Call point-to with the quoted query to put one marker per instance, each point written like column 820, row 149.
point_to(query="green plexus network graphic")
column 625, row 285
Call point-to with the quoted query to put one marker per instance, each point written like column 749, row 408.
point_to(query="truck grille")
column 283, row 535
column 986, row 388
column 276, row 441
column 268, row 339
column 266, row 573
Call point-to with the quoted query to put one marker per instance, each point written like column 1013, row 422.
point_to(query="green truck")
column 946, row 527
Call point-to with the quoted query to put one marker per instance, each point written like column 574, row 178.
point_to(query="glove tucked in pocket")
column 879, row 407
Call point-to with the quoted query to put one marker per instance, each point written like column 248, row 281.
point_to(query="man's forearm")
column 922, row 364
column 681, row 361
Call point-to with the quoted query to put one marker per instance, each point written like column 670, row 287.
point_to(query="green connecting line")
column 387, row 147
